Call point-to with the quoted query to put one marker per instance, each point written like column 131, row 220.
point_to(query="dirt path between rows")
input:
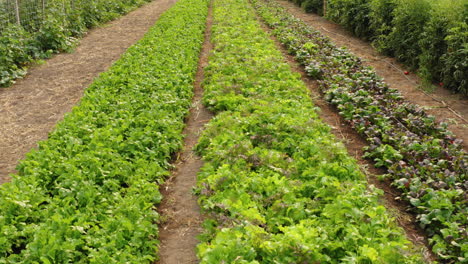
column 179, row 208
column 442, row 103
column 354, row 144
column 30, row 109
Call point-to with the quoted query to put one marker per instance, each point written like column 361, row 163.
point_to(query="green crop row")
column 276, row 184
column 428, row 35
column 53, row 30
column 424, row 160
column 87, row 194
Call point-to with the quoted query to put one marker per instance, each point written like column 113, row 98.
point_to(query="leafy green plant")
column 353, row 15
column 311, row 6
column 381, row 21
column 54, row 36
column 424, row 160
column 87, row 194
column 454, row 61
column 276, row 184
column 14, row 54
column 410, row 18
column 315, row 6
column 443, row 17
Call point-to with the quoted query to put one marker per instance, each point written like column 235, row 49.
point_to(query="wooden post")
column 18, row 20
column 324, row 7
column 43, row 9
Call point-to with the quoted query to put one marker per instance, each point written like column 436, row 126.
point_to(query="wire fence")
column 30, row 14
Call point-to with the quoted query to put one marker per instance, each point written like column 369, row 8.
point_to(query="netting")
column 30, row 14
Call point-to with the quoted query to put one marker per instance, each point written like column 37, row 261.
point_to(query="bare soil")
column 30, row 108
column 441, row 103
column 182, row 220
column 355, row 143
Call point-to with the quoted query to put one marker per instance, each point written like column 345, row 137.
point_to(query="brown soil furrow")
column 441, row 103
column 182, row 220
column 354, row 144
column 30, row 109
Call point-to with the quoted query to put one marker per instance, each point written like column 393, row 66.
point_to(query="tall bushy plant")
column 91, row 13
column 351, row 14
column 381, row 22
column 14, row 53
column 443, row 16
column 313, row 6
column 410, row 18
column 76, row 22
column 454, row 62
column 54, row 34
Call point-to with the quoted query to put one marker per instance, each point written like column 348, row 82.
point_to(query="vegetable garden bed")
column 87, row 194
column 277, row 185
column 423, row 158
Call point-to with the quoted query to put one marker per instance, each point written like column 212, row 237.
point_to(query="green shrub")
column 443, row 16
column 92, row 14
column 54, row 34
column 14, row 53
column 313, row 6
column 455, row 62
column 76, row 23
column 410, row 18
column 351, row 14
column 381, row 22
